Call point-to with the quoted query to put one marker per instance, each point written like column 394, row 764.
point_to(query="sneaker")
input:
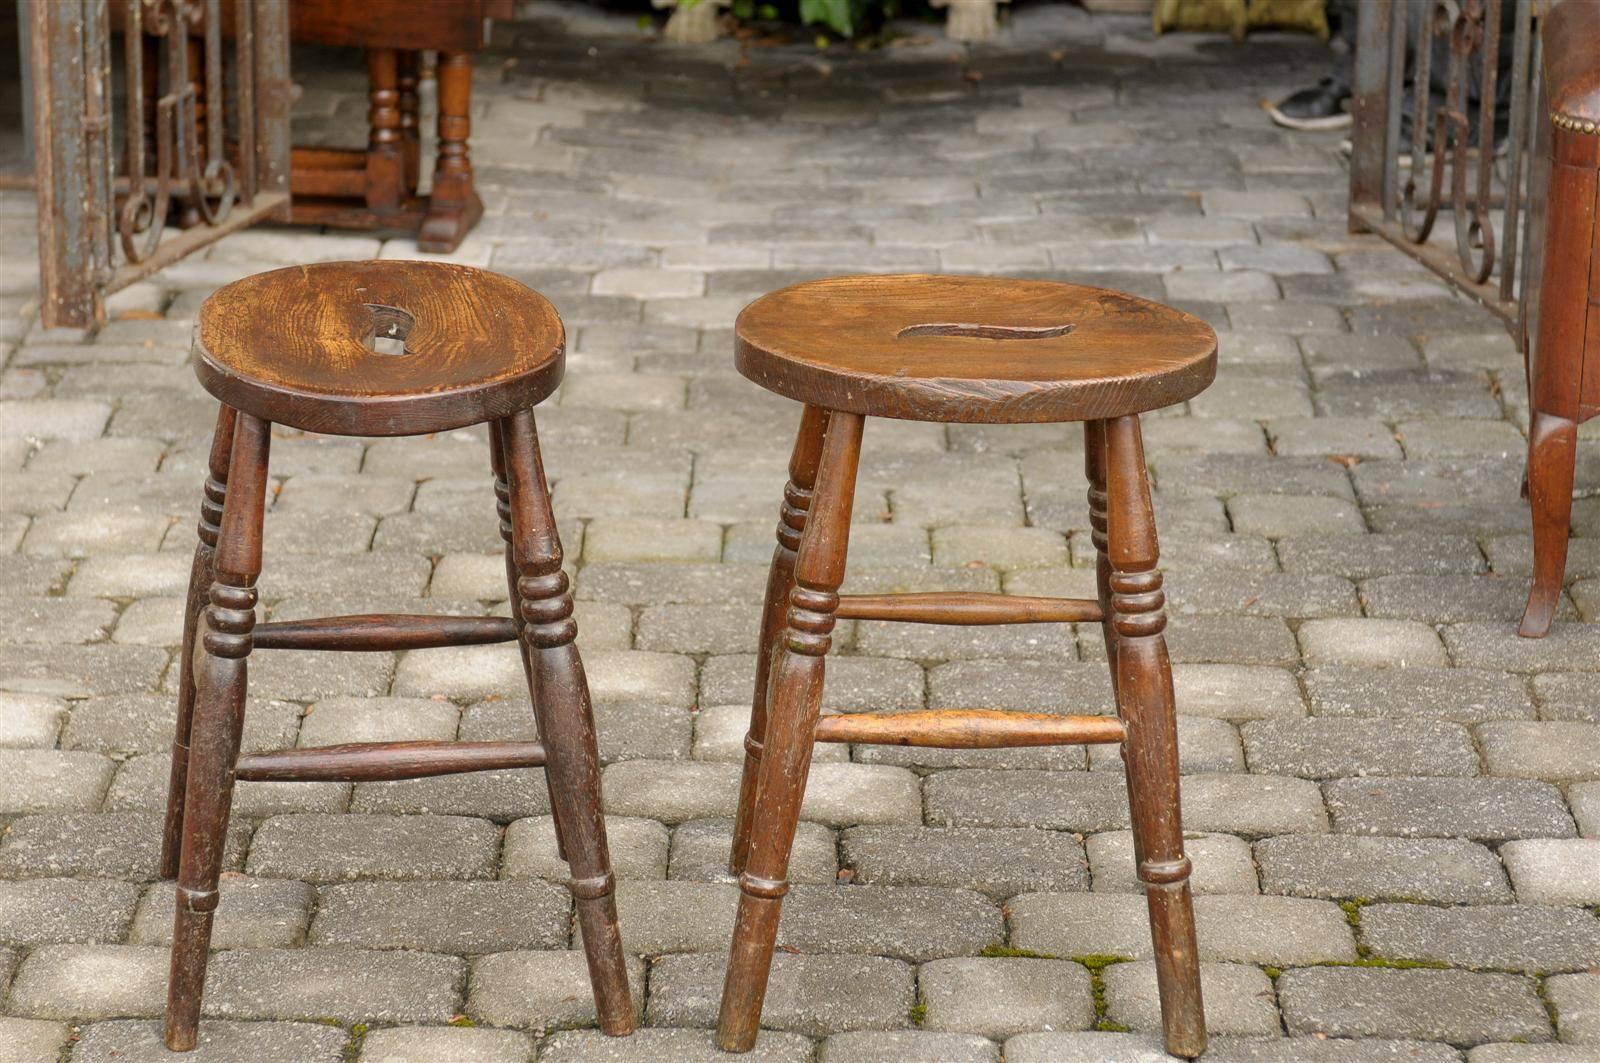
column 1320, row 107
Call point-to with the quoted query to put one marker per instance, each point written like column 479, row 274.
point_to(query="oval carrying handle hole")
column 390, row 327
column 985, row 332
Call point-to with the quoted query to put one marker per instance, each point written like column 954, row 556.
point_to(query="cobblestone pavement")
column 1394, row 800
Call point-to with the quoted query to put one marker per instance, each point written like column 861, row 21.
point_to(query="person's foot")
column 1321, row 106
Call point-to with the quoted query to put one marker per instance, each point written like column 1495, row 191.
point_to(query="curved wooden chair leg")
column 219, row 664
column 774, row 616
column 1552, row 460
column 572, row 760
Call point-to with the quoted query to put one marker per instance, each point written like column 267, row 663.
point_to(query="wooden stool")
column 969, row 350
column 376, row 349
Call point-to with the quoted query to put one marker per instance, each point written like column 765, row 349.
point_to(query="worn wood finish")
column 384, row 761
column 201, row 573
column 276, row 342
column 966, row 607
column 836, row 345
column 1564, row 356
column 379, row 632
column 794, row 700
column 298, row 345
column 972, row 349
column 1150, row 754
column 803, row 461
column 219, row 664
column 544, row 601
column 968, row 729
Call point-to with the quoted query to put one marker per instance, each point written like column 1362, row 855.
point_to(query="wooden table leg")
column 780, row 582
column 1150, row 754
column 410, row 129
column 572, row 761
column 453, row 203
column 201, row 573
column 794, row 703
column 219, row 664
column 386, row 164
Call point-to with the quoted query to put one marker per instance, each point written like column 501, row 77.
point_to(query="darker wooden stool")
column 970, row 350
column 376, row 349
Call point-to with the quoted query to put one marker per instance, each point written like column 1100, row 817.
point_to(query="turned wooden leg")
column 1150, row 753
column 793, row 703
column 453, row 203
column 780, row 582
column 220, row 681
column 1094, row 462
column 572, row 762
column 201, row 573
column 386, row 166
column 408, row 65
column 502, row 494
column 1552, row 459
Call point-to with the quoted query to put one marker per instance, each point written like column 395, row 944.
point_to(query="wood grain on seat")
column 973, row 349
column 379, row 348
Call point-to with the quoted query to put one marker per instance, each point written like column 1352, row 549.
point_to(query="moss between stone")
column 461, row 1020
column 352, row 1047
column 998, row 951
column 1096, row 965
column 1381, row 961
column 919, row 1013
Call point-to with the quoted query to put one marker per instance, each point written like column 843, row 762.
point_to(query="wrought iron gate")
column 201, row 148
column 1398, row 175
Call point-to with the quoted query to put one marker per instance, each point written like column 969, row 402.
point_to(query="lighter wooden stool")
column 376, row 349
column 969, row 350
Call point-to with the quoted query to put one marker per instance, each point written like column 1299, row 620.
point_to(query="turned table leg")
column 386, row 164
column 407, row 80
column 780, row 582
column 1150, row 753
column 794, row 702
column 219, row 664
column 453, row 203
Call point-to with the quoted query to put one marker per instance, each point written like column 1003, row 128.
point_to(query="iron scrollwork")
column 177, row 113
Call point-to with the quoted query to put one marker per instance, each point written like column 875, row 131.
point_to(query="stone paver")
column 1529, row 937
column 1459, row 1007
column 1338, row 866
column 1339, row 518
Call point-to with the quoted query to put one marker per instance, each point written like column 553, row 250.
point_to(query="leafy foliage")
column 841, row 16
column 847, row 18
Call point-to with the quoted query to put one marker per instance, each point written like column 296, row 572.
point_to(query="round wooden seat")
column 379, row 348
column 973, row 349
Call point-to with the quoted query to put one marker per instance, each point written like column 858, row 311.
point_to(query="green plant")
column 847, row 18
